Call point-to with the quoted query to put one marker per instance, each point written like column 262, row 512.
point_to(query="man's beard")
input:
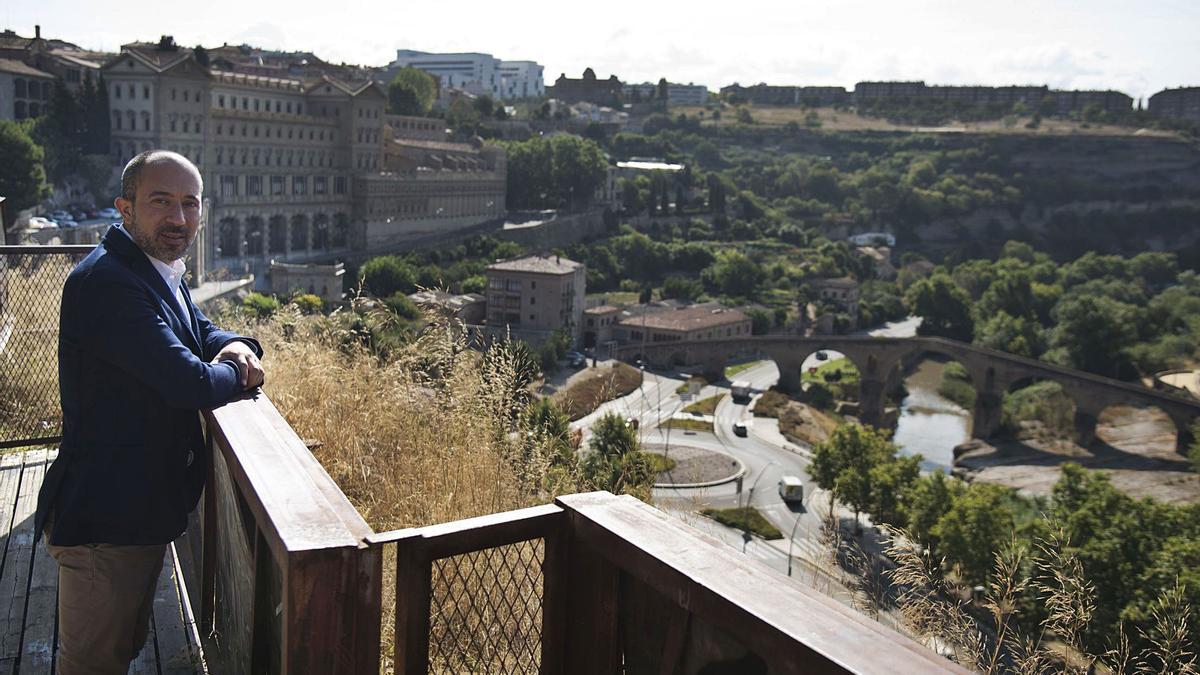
column 147, row 239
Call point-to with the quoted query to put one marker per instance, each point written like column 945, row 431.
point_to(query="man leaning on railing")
column 137, row 360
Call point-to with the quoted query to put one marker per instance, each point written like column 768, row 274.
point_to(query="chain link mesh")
column 486, row 610
column 30, row 292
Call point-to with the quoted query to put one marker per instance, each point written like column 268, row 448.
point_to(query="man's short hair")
column 129, row 176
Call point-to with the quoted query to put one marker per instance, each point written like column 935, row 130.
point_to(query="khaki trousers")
column 105, row 595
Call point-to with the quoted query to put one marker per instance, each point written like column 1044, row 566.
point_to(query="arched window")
column 228, row 239
column 254, row 237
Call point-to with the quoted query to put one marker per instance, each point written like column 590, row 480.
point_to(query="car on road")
column 740, row 391
column 575, row 359
column 40, row 223
column 739, row 429
column 791, row 489
column 110, row 212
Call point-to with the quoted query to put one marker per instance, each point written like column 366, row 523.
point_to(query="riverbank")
column 1136, row 447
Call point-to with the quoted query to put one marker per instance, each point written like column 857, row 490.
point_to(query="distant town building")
column 69, row 63
column 474, row 72
column 881, row 257
column 696, row 322
column 873, row 239
column 470, row 308
column 842, row 292
column 323, row 281
column 1072, row 101
column 587, row 88
column 677, row 94
column 1182, row 104
column 536, row 295
column 521, row 79
column 598, row 325
column 24, row 90
column 766, row 94
column 1065, row 101
column 296, row 170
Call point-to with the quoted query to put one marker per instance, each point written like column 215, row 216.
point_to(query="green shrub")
column 1044, row 402
column 403, row 307
column 259, row 305
column 387, row 275
column 308, row 303
column 956, row 385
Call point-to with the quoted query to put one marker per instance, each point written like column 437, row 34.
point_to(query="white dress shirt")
column 171, row 274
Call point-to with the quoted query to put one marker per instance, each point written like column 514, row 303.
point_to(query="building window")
column 228, row 186
column 320, row 185
column 276, row 186
column 130, row 90
column 172, row 93
column 256, row 105
column 289, row 107
column 145, row 122
column 299, row 185
column 339, row 185
column 116, row 89
column 254, row 185
column 146, row 91
column 532, row 300
column 221, row 101
column 533, row 317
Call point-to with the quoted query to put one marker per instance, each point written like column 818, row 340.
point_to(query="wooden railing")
column 277, row 564
column 289, row 581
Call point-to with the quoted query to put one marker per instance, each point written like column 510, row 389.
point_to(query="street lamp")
column 792, row 542
column 754, row 483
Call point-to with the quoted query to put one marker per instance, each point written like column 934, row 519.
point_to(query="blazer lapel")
column 123, row 246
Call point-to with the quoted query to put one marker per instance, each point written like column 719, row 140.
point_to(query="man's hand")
column 249, row 367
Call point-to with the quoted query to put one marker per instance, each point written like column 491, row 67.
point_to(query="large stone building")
column 677, row 94
column 697, row 322
column 295, row 169
column 536, row 295
column 1182, row 103
column 68, row 62
column 24, row 90
column 765, row 94
column 587, row 88
column 473, row 72
column 1064, row 101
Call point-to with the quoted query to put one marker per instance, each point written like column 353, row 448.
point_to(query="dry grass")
column 686, row 424
column 30, row 295
column 419, row 437
column 587, row 393
column 706, row 406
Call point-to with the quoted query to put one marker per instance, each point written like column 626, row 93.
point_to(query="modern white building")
column 521, row 79
column 474, row 72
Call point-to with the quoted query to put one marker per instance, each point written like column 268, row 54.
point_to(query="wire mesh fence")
column 486, row 610
column 31, row 281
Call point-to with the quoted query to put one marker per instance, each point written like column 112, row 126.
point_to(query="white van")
column 791, row 489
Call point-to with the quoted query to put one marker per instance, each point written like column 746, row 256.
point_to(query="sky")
column 1135, row 47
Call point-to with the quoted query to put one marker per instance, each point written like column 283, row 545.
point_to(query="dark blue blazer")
column 133, row 373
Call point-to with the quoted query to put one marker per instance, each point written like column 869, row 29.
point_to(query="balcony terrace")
column 283, row 575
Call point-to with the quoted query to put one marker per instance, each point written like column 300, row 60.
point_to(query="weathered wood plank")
column 37, row 649
column 14, row 582
column 592, row 635
column 795, row 629
column 10, row 481
column 176, row 655
column 186, row 604
column 475, row 534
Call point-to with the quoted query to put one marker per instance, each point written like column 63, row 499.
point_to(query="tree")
column 1095, row 332
column 201, row 55
column 411, row 92
column 387, row 275
column 662, row 90
column 978, row 525
column 929, row 498
column 22, row 176
column 563, row 171
column 843, row 464
column 944, row 307
column 891, row 482
column 615, row 461
column 681, row 288
column 734, row 274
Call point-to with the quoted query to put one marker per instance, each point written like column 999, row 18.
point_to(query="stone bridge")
column 880, row 362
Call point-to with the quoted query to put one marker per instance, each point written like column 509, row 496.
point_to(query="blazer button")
column 191, row 457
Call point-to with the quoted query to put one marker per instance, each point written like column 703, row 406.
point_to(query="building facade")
column 521, row 79
column 536, row 295
column 677, row 94
column 588, row 88
column 765, row 94
column 295, row 169
column 473, row 72
column 24, row 90
column 1182, row 103
column 694, row 323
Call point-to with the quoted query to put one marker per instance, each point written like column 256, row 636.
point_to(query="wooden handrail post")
column 208, row 544
column 413, row 589
column 554, row 599
column 592, row 636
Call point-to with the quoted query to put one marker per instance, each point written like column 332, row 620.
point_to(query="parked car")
column 92, row 212
column 109, row 213
column 576, row 360
column 739, row 429
column 67, row 222
column 40, row 223
column 59, row 215
column 79, row 214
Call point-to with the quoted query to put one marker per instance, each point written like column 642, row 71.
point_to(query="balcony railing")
column 285, row 576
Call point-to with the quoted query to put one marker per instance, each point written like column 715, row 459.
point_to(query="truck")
column 740, row 391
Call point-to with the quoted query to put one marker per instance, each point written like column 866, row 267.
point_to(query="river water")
column 929, row 423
